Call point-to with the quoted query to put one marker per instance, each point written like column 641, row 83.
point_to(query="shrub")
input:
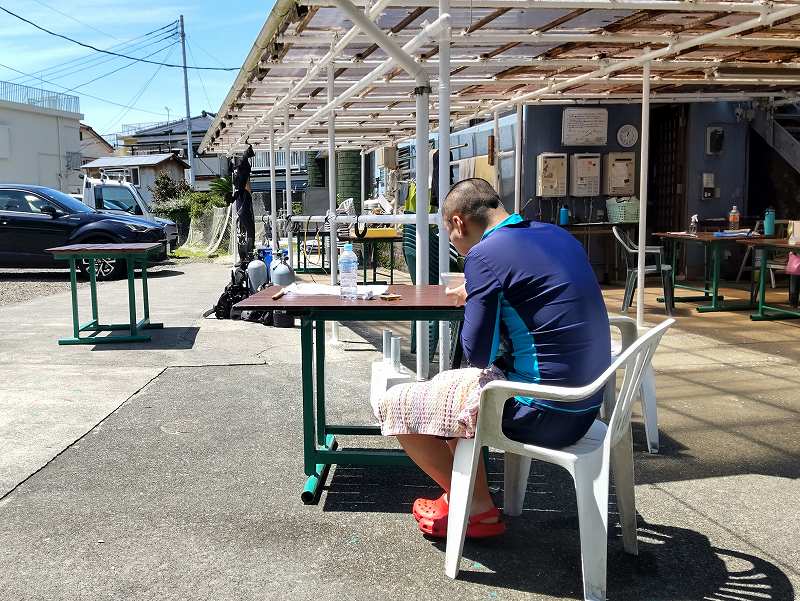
column 165, row 188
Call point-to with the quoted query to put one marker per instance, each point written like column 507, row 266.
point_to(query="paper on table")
column 308, row 289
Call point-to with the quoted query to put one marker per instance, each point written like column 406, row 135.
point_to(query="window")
column 20, row 202
column 114, row 198
column 134, row 179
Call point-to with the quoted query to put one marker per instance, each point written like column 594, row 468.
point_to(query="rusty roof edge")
column 282, row 11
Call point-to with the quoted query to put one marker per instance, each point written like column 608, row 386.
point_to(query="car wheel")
column 105, row 269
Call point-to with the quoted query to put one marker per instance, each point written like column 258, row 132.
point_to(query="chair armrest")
column 504, row 389
column 627, row 328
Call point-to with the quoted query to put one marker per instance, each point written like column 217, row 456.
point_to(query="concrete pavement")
column 190, row 489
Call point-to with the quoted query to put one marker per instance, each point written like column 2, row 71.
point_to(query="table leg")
column 715, row 260
column 132, row 297
column 364, row 254
column 374, row 254
column 762, row 282
column 145, row 296
column 93, row 290
column 73, row 283
column 319, row 364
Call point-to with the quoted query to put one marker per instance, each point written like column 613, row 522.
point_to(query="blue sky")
column 218, row 34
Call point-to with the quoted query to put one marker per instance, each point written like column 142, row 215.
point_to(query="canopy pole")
column 288, row 195
column 334, row 234
column 422, row 94
column 643, row 167
column 273, row 192
column 496, row 118
column 444, row 172
column 518, row 161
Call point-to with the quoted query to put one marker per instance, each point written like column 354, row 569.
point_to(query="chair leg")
column 772, row 278
column 462, row 482
column 630, row 286
column 649, row 408
column 515, row 482
column 622, row 471
column 591, row 489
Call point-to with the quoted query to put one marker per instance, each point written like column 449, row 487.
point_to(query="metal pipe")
column 444, row 172
column 643, row 166
column 189, row 149
column 378, row 36
column 363, row 186
column 337, row 48
column 428, row 32
column 423, row 198
column 288, row 161
column 490, row 37
column 518, row 160
column 273, row 190
column 332, row 240
column 433, row 218
column 497, row 153
column 661, row 5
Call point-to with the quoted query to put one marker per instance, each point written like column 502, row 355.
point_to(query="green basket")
column 626, row 211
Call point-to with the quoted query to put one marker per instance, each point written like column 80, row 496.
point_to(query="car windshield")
column 114, row 198
column 69, row 203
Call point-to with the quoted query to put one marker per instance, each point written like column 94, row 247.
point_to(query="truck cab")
column 113, row 194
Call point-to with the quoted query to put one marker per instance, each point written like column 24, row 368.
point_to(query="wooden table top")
column 771, row 242
column 704, row 236
column 411, row 298
column 137, row 247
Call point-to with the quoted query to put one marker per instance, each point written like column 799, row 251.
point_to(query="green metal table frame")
column 765, row 311
column 320, row 447
column 94, row 326
column 710, row 287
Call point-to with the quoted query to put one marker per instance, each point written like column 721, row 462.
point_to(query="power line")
column 74, row 41
column 68, row 16
column 81, row 62
column 170, row 45
column 98, row 98
column 141, row 91
column 200, row 77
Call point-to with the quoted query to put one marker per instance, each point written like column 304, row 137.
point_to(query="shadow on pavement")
column 171, row 339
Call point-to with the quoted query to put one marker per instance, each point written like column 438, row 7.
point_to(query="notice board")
column 584, row 127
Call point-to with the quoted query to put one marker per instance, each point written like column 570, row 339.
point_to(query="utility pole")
column 189, row 151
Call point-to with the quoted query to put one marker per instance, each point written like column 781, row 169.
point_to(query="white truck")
column 116, row 195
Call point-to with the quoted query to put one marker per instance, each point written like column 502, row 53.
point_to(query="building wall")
column 147, row 177
column 34, row 143
column 92, row 148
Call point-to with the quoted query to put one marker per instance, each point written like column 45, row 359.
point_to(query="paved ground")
column 173, row 471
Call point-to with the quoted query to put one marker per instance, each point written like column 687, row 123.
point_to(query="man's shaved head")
column 472, row 198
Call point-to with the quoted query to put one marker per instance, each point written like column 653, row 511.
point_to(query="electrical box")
column 619, row 174
column 551, row 174
column 386, row 157
column 584, row 174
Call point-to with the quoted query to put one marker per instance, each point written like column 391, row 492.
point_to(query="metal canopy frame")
column 378, row 62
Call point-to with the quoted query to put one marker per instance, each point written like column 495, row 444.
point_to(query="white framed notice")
column 584, row 127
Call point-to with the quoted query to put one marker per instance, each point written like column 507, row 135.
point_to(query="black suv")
column 33, row 218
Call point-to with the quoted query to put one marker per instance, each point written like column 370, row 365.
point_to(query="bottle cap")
column 348, row 246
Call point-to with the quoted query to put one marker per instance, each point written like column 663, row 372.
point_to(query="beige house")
column 93, row 145
column 141, row 171
column 39, row 138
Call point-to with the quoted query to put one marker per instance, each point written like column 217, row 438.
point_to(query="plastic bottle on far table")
column 733, row 219
column 348, row 272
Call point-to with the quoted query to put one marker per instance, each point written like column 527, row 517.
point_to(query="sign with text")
column 584, row 127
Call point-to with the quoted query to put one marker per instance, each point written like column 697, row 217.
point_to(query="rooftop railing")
column 13, row 92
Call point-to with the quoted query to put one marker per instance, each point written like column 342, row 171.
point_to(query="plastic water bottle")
column 348, row 272
column 733, row 219
column 769, row 222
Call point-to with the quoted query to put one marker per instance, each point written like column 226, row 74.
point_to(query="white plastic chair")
column 588, row 461
column 647, row 390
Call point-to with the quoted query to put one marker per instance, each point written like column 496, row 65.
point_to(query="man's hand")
column 459, row 292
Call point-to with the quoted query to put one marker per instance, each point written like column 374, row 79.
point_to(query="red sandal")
column 431, row 509
column 476, row 528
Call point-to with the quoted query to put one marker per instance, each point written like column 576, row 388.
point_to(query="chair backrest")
column 623, row 239
column 634, row 360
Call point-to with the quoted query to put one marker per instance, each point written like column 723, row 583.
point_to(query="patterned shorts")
column 445, row 406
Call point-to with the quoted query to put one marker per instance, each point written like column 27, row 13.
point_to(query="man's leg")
column 435, row 457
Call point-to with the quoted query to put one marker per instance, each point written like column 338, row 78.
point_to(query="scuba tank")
column 280, row 272
column 257, row 274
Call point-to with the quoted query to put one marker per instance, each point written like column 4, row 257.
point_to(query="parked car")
column 34, row 218
column 116, row 195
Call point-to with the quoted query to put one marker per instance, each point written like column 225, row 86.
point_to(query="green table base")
column 133, row 327
column 765, row 311
column 320, row 446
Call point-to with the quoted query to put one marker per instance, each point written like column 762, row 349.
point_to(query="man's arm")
column 480, row 336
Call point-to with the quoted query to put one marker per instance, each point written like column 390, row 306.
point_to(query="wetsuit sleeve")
column 480, row 335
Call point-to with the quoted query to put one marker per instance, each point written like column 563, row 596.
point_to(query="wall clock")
column 627, row 136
